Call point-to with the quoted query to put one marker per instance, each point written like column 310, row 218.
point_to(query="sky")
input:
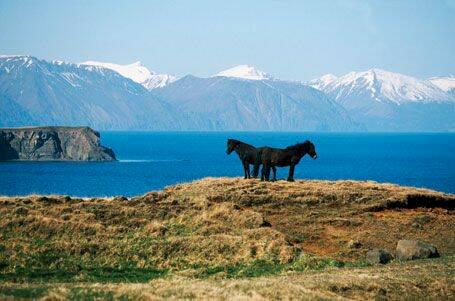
column 293, row 40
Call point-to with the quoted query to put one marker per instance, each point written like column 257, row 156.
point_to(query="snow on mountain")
column 322, row 82
column 109, row 96
column 159, row 81
column 446, row 84
column 383, row 86
column 138, row 73
column 383, row 100
column 244, row 72
column 39, row 92
column 224, row 103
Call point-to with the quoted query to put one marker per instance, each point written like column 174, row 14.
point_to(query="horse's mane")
column 238, row 142
column 298, row 145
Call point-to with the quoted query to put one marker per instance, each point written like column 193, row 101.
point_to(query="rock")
column 53, row 144
column 354, row 244
column 378, row 256
column 413, row 249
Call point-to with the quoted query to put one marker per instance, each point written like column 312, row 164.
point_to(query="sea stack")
column 52, row 143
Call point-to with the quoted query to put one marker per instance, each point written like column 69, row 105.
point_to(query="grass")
column 424, row 279
column 213, row 230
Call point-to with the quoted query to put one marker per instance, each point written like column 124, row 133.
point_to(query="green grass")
column 258, row 268
column 129, row 273
column 95, row 274
column 23, row 293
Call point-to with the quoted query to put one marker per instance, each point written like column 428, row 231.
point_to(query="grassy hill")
column 227, row 237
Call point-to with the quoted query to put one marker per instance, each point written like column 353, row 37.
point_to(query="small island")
column 52, row 143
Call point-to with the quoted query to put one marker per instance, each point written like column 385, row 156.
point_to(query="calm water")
column 150, row 161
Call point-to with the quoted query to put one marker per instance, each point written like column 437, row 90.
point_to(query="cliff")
column 53, row 144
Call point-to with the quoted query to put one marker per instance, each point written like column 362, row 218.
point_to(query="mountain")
column 138, row 73
column 387, row 101
column 37, row 92
column 446, row 84
column 108, row 96
column 235, row 103
column 322, row 82
column 244, row 72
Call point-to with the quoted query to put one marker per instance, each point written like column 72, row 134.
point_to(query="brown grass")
column 227, row 222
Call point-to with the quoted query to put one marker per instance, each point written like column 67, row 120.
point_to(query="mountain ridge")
column 138, row 73
column 38, row 92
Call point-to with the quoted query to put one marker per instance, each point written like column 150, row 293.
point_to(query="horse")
column 290, row 156
column 248, row 154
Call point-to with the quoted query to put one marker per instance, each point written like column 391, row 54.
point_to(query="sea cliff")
column 53, row 144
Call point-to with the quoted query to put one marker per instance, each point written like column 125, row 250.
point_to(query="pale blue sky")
column 296, row 40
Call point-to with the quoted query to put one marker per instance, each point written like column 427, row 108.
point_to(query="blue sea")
column 152, row 160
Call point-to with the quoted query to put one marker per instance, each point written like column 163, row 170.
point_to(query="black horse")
column 248, row 154
column 290, row 156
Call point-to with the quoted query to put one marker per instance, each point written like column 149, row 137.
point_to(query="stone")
column 414, row 249
column 377, row 256
column 53, row 143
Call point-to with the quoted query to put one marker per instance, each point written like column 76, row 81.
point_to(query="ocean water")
column 152, row 160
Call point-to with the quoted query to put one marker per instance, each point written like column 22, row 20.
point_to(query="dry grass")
column 425, row 279
column 225, row 228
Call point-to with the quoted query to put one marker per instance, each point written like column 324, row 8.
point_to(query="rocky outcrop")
column 53, row 144
column 414, row 249
column 377, row 256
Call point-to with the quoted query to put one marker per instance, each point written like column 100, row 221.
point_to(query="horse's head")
column 310, row 149
column 231, row 144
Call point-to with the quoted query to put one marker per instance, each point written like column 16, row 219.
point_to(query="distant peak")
column 244, row 72
column 328, row 76
column 138, row 73
column 134, row 71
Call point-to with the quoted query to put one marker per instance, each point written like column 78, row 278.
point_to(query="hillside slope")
column 228, row 228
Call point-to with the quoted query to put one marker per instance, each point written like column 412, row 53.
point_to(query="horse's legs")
column 274, row 173
column 255, row 170
column 291, row 173
column 265, row 176
column 267, row 172
column 246, row 169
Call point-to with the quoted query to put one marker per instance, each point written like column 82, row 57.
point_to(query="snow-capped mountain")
column 244, row 72
column 384, row 100
column 226, row 103
column 322, row 82
column 381, row 86
column 109, row 96
column 38, row 92
column 446, row 84
column 138, row 73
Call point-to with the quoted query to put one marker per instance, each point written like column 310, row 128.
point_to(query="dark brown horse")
column 290, row 156
column 248, row 154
